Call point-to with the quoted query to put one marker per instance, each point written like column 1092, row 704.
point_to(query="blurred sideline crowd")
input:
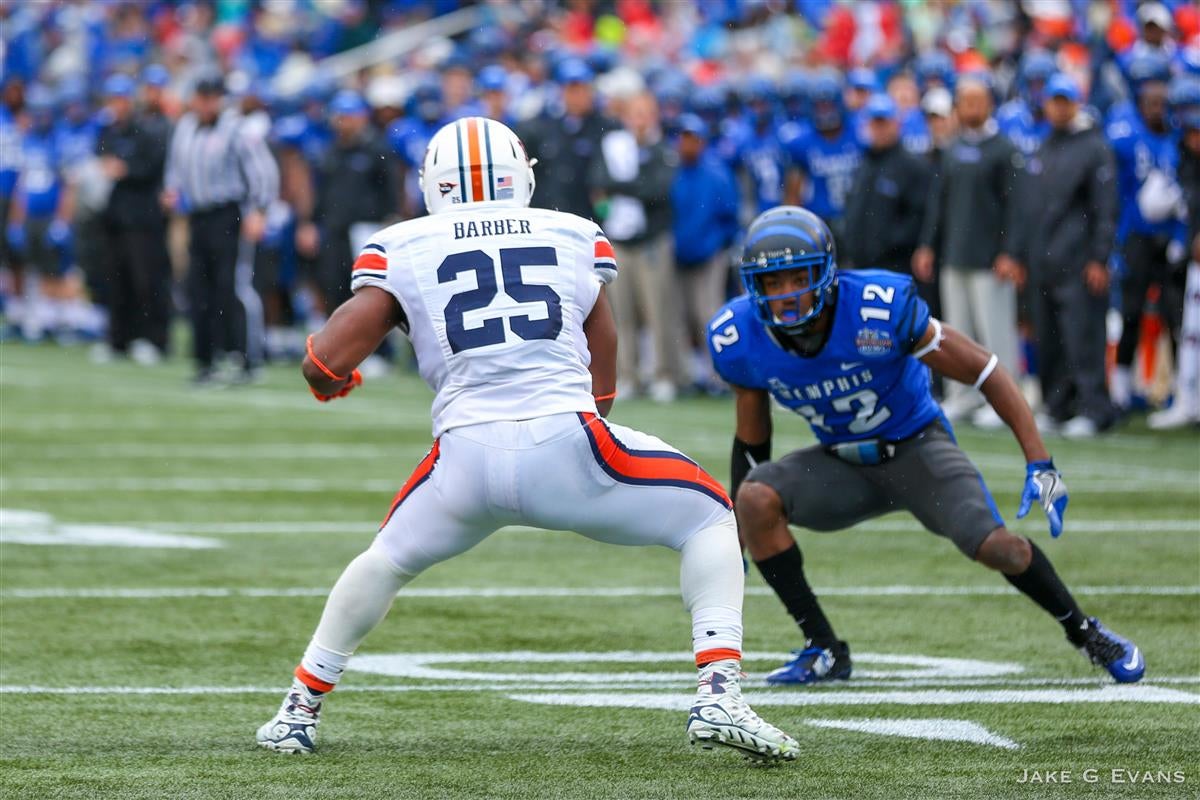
column 1035, row 166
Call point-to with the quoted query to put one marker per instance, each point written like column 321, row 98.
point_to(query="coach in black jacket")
column 1067, row 237
column 886, row 204
column 565, row 141
column 132, row 150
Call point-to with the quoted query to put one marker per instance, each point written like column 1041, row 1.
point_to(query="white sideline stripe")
column 939, row 730
column 879, row 526
column 450, row 592
column 1190, row 486
column 761, row 692
column 931, row 697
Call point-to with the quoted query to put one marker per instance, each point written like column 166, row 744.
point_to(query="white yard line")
column 251, row 528
column 467, row 592
column 760, row 691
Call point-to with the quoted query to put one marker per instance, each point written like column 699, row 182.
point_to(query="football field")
column 165, row 552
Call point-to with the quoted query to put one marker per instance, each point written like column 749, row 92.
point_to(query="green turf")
column 120, row 445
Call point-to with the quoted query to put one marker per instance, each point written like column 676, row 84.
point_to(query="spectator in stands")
column 565, row 142
column 133, row 151
column 224, row 180
column 705, row 199
column 886, row 205
column 938, row 107
column 1070, row 218
column 1185, row 407
column 631, row 176
column 971, row 221
column 1144, row 144
column 357, row 191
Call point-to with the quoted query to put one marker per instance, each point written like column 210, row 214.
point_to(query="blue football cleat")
column 814, row 664
column 1118, row 655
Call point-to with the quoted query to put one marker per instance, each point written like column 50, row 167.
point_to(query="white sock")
column 358, row 602
column 711, row 577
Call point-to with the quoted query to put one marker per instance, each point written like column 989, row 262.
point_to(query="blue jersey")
column 77, row 140
column 863, row 383
column 41, row 179
column 1138, row 151
column 829, row 167
column 10, row 152
column 763, row 160
column 1016, row 121
column 914, row 132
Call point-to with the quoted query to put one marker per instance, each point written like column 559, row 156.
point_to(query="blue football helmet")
column 826, row 103
column 788, row 238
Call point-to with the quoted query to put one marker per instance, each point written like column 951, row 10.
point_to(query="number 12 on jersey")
column 492, row 330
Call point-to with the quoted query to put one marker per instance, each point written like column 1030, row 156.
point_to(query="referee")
column 223, row 177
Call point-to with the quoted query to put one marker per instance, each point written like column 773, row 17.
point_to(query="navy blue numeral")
column 492, row 330
column 511, row 261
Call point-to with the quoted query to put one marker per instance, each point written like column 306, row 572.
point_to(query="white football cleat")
column 721, row 716
column 294, row 728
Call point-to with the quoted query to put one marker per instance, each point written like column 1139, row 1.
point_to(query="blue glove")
column 16, row 237
column 1044, row 484
column 59, row 234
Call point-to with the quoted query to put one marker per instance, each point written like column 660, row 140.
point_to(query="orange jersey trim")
column 371, row 261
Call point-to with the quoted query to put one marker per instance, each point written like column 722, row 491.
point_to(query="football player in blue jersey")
column 849, row 351
column 1021, row 118
column 826, row 158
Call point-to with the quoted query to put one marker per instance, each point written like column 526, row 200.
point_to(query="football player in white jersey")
column 506, row 309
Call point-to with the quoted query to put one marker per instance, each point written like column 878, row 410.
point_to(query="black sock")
column 785, row 574
column 1041, row 584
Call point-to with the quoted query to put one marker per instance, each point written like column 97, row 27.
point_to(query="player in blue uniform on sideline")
column 848, row 351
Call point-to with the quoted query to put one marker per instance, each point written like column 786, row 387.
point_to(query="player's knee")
column 1005, row 552
column 758, row 507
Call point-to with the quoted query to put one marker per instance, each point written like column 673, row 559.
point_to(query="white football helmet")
column 476, row 160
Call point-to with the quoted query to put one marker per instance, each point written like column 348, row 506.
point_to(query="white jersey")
column 495, row 298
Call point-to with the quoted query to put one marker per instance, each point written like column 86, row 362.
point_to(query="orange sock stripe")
column 418, row 477
column 717, row 654
column 312, row 681
column 320, row 364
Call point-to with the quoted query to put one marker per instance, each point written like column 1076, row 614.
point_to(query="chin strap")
column 935, row 343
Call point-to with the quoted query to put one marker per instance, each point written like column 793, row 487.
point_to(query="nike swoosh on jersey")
column 845, row 365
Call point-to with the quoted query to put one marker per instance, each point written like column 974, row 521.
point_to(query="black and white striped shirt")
column 212, row 165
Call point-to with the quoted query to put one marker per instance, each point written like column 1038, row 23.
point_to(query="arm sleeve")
column 1102, row 205
column 912, row 317
column 371, row 269
column 744, row 458
column 605, row 260
column 171, row 169
column 931, row 229
column 915, row 191
column 1011, row 166
column 258, row 170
